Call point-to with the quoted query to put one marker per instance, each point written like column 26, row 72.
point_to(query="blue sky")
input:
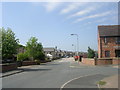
column 52, row 23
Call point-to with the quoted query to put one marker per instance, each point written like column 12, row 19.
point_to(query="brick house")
column 108, row 41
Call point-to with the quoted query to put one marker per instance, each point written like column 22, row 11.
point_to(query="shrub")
column 22, row 56
column 37, row 61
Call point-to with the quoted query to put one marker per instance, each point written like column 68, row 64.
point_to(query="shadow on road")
column 49, row 64
column 29, row 69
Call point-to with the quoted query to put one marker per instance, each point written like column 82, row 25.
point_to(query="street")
column 62, row 73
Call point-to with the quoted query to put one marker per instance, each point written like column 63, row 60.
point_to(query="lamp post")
column 74, row 49
column 77, row 43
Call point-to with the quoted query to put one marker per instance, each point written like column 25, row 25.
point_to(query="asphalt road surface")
column 63, row 73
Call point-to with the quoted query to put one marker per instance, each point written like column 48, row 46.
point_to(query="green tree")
column 91, row 53
column 34, row 49
column 9, row 43
column 22, row 56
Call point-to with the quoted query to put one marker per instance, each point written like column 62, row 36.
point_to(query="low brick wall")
column 103, row 61
column 88, row 61
column 98, row 61
column 9, row 67
column 116, row 61
column 26, row 63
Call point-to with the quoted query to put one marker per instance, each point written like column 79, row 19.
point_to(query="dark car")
column 7, row 61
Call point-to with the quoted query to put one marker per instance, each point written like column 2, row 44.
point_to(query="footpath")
column 111, row 82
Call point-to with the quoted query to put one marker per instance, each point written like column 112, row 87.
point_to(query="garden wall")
column 102, row 61
column 88, row 61
column 9, row 67
column 26, row 63
column 116, row 61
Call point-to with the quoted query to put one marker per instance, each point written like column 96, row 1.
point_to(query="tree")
column 9, row 43
column 91, row 53
column 22, row 56
column 34, row 49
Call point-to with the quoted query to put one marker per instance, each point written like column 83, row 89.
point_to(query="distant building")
column 21, row 49
column 109, row 41
column 52, row 51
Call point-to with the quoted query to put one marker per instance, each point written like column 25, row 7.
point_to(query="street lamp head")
column 72, row 34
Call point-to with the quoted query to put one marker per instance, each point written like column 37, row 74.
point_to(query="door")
column 117, row 53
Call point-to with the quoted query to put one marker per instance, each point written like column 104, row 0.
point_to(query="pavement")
column 64, row 73
column 111, row 82
column 11, row 73
column 19, row 70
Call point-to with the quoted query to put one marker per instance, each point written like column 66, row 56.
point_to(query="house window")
column 118, row 40
column 106, row 40
column 107, row 53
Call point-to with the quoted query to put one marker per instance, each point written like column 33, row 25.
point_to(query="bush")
column 37, row 61
column 22, row 56
column 39, row 55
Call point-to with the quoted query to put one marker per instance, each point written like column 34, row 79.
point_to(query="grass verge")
column 101, row 82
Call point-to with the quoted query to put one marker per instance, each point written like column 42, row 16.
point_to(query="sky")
column 54, row 22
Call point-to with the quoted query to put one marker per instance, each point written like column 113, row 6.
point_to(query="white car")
column 50, row 56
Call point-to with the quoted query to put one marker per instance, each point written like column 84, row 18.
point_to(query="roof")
column 49, row 49
column 109, row 30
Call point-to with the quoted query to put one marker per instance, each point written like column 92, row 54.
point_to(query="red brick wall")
column 9, row 67
column 116, row 61
column 104, row 61
column 26, row 63
column 110, row 46
column 88, row 61
column 99, row 47
column 99, row 61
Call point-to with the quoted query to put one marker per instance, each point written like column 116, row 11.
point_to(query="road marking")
column 76, row 67
column 73, row 80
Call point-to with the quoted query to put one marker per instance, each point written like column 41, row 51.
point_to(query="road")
column 63, row 73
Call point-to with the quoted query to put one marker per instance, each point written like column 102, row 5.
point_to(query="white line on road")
column 73, row 80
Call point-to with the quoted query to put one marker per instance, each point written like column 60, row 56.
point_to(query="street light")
column 77, row 43
column 74, row 48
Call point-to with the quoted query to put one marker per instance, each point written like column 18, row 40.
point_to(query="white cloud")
column 50, row 6
column 93, row 16
column 87, row 10
column 71, row 7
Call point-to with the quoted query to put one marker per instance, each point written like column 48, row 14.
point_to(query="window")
column 107, row 53
column 118, row 40
column 106, row 40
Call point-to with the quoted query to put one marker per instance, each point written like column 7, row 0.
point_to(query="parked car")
column 50, row 56
column 67, row 56
column 7, row 61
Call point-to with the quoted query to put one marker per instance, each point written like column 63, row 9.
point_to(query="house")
column 108, row 41
column 52, row 51
column 21, row 49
